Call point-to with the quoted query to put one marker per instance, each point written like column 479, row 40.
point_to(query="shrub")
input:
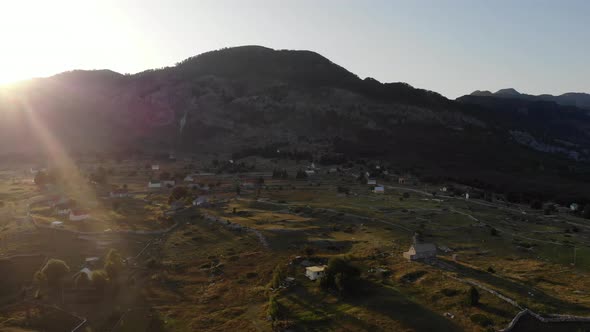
column 406, row 195
column 473, row 296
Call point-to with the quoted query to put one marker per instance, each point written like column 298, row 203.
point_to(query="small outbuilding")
column 371, row 181
column 379, row 190
column 315, row 272
column 57, row 224
column 79, row 215
column 153, row 184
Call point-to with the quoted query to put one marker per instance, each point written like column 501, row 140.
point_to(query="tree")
column 278, row 276
column 586, row 212
column 100, row 280
column 273, row 308
column 340, row 276
column 54, row 271
column 113, row 264
column 238, row 189
column 177, row 194
column 473, row 298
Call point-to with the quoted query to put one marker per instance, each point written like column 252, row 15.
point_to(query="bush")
column 473, row 297
column 491, row 270
column 406, row 195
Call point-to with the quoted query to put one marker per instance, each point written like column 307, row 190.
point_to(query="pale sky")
column 449, row 46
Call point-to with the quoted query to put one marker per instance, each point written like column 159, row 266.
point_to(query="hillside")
column 252, row 99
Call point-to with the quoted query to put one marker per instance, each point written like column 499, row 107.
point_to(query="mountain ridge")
column 245, row 100
column 577, row 99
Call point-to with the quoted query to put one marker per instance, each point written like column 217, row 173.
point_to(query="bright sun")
column 41, row 38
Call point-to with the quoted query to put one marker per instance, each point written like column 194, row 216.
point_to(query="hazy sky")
column 452, row 47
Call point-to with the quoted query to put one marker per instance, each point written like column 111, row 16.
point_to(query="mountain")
column 253, row 100
column 580, row 100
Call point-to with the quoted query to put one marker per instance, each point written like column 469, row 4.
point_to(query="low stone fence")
column 550, row 319
column 238, row 227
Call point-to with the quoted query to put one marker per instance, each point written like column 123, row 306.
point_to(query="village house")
column 333, row 170
column 189, row 178
column 85, row 271
column 401, row 180
column 79, row 215
column 379, row 190
column 57, row 224
column 119, row 193
column 155, row 167
column 309, row 172
column 372, row 181
column 419, row 250
column 154, row 184
column 315, row 272
column 574, row 207
column 168, row 183
column 62, row 209
column 201, row 201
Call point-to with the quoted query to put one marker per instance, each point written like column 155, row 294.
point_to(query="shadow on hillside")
column 502, row 284
column 391, row 303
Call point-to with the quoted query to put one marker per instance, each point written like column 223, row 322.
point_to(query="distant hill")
column 580, row 100
column 253, row 100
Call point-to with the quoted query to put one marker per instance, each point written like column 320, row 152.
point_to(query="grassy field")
column 212, row 275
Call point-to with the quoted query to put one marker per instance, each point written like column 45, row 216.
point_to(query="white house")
column 154, row 184
column 333, row 170
column 57, row 224
column 401, row 180
column 189, row 178
column 310, row 172
column 79, row 215
column 315, row 272
column 419, row 250
column 87, row 272
column 168, row 183
column 201, row 201
column 155, row 167
column 372, row 181
column 379, row 190
column 574, row 207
